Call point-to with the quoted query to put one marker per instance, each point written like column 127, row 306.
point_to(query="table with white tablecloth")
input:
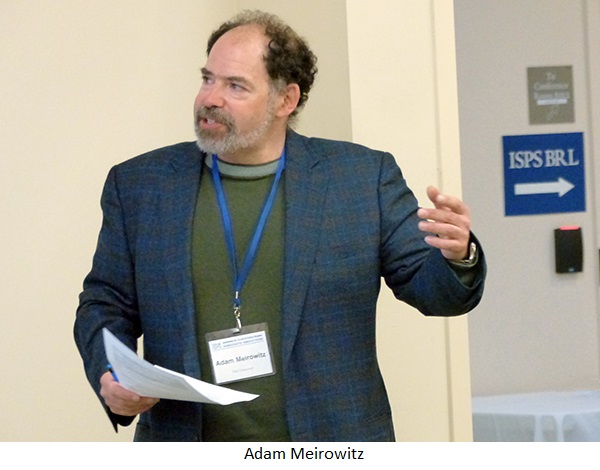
column 540, row 417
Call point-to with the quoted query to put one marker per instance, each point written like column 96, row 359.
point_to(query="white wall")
column 535, row 329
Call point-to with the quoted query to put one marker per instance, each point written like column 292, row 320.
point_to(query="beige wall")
column 84, row 85
column 403, row 84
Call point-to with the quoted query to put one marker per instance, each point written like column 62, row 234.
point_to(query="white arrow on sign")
column 561, row 187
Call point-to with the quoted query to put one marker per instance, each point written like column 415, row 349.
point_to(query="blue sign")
column 544, row 174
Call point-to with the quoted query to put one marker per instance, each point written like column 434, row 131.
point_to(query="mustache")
column 215, row 114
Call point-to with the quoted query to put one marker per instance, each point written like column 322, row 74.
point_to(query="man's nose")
column 212, row 97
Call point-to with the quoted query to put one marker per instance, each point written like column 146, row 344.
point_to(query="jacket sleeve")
column 417, row 273
column 108, row 298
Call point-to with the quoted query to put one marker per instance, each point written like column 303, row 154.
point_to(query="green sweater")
column 246, row 189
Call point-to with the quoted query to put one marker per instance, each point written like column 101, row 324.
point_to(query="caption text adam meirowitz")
column 303, row 453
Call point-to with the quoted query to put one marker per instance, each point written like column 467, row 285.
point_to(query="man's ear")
column 291, row 97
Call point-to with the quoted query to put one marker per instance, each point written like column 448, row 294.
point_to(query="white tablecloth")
column 543, row 416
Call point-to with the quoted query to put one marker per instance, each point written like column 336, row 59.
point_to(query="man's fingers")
column 446, row 201
column 448, row 223
column 122, row 401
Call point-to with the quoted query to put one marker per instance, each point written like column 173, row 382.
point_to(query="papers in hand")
column 148, row 380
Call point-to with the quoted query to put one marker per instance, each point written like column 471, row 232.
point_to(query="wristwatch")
column 471, row 259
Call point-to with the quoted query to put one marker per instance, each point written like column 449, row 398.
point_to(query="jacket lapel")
column 177, row 211
column 305, row 189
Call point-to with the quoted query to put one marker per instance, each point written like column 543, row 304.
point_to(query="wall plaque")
column 550, row 95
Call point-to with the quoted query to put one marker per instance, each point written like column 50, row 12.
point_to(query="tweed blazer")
column 350, row 221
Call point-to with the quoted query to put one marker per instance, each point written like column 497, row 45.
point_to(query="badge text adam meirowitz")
column 303, row 454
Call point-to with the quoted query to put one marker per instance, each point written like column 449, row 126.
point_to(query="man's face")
column 235, row 107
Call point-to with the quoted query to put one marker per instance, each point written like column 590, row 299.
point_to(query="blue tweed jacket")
column 350, row 221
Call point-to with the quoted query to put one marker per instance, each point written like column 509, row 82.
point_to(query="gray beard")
column 233, row 141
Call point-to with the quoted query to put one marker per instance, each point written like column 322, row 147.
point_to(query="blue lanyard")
column 239, row 277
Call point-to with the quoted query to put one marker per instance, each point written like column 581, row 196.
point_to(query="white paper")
column 145, row 379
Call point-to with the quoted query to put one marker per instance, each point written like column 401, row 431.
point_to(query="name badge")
column 240, row 354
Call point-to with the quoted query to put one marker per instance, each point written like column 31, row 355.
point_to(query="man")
column 254, row 228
